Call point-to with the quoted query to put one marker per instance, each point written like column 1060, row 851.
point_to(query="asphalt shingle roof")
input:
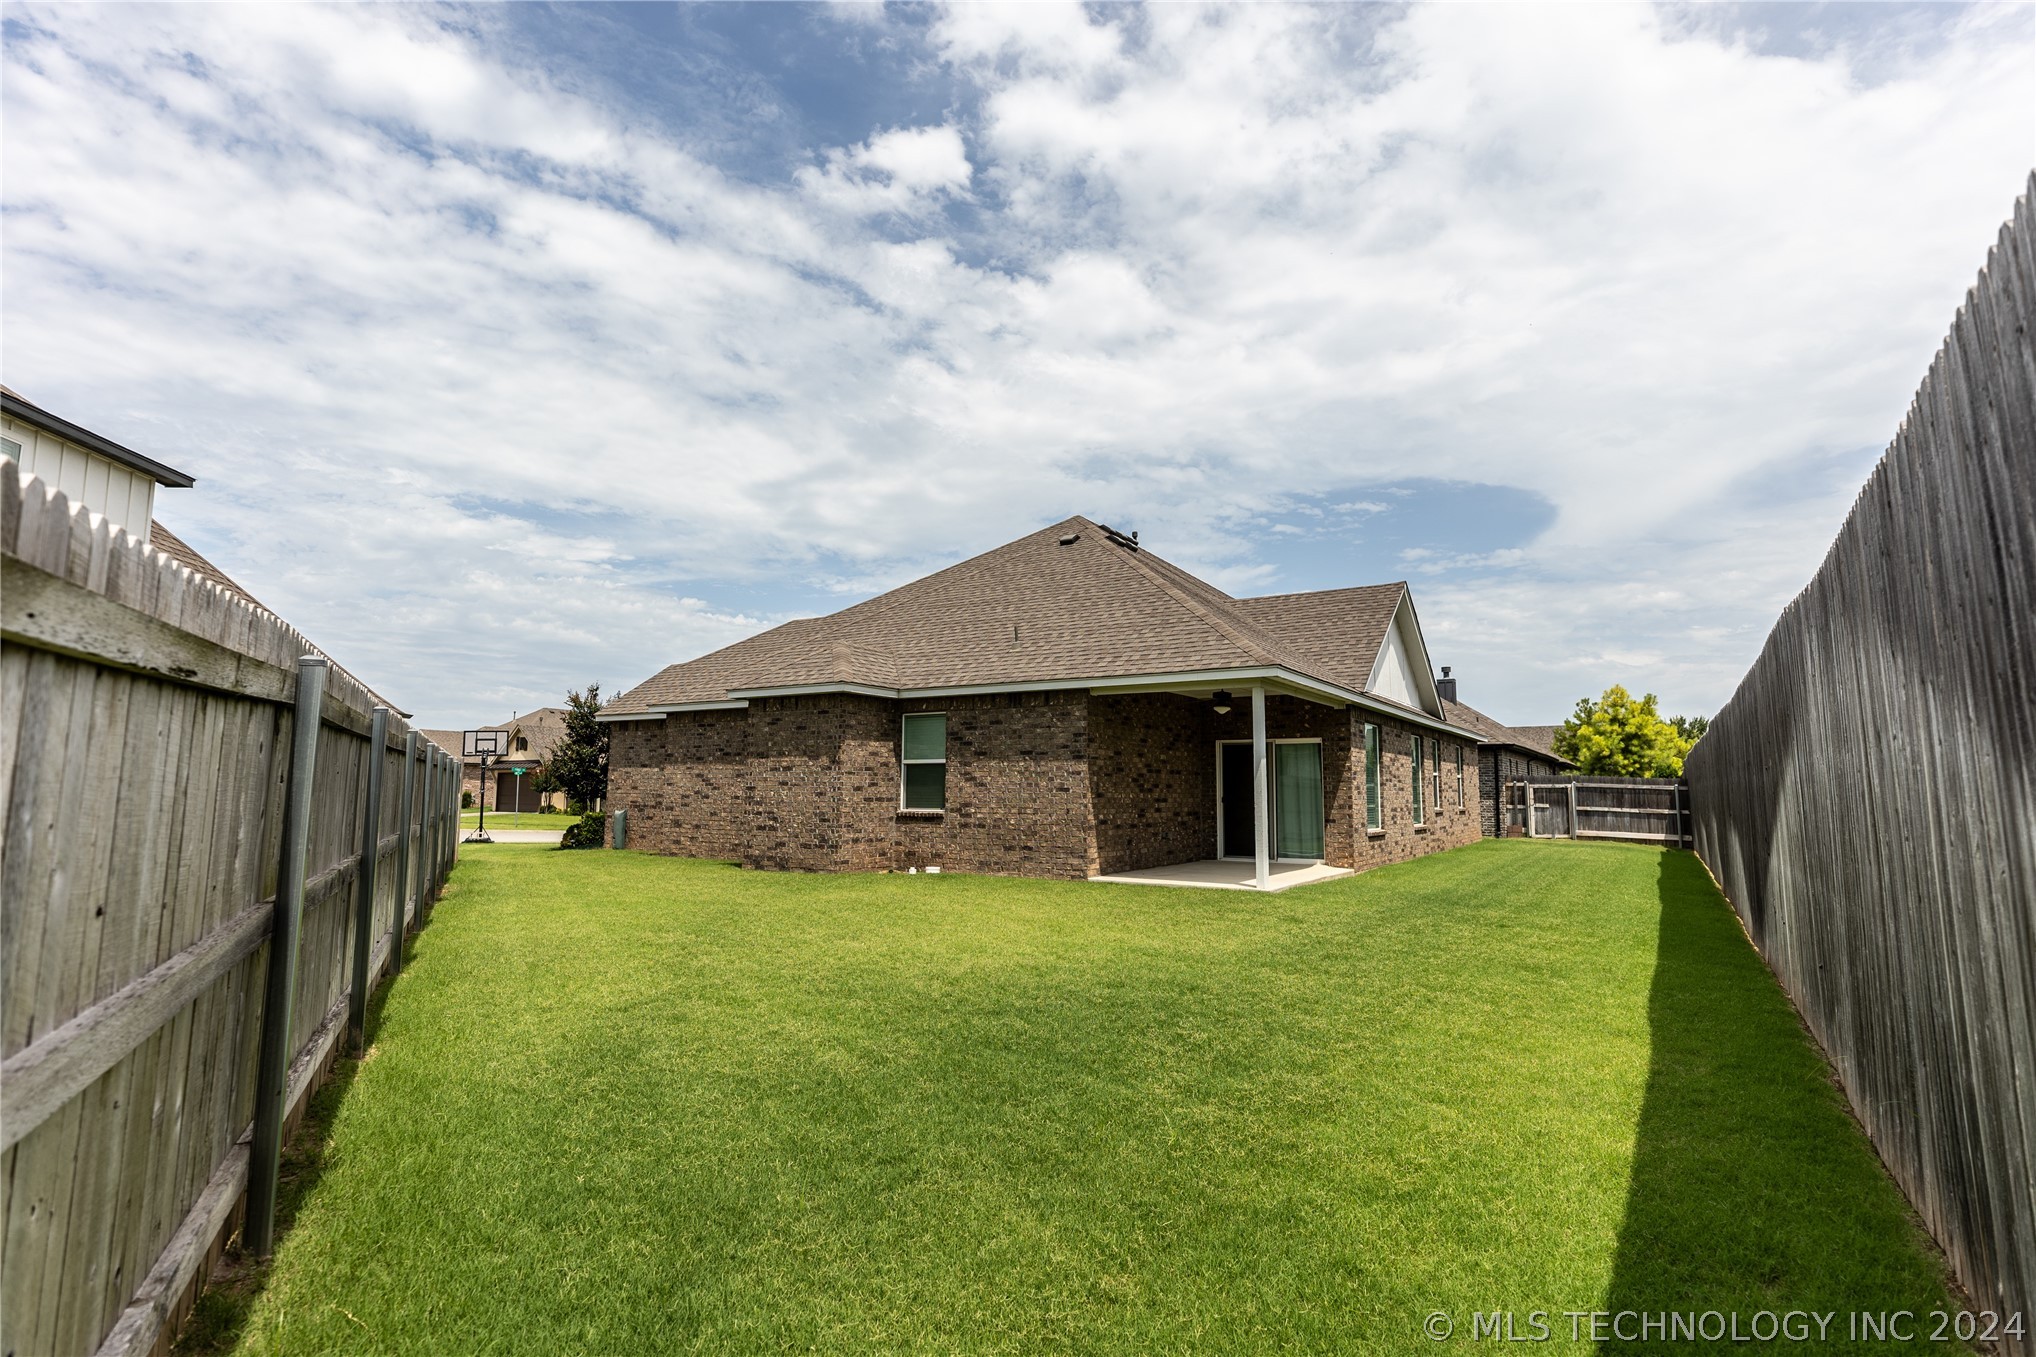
column 1042, row 609
column 1537, row 739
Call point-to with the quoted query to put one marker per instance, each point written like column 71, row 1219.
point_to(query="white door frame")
column 1272, row 803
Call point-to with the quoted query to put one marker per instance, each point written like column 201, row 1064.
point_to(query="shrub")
column 547, row 809
column 466, row 800
column 591, row 832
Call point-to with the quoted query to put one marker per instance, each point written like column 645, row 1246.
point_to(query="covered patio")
column 1230, row 874
column 1205, row 784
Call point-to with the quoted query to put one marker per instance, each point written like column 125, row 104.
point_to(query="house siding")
column 1046, row 784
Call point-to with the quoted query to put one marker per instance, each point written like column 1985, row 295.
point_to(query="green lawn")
column 509, row 819
column 627, row 1104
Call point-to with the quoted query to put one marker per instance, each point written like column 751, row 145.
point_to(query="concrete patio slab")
column 1226, row 875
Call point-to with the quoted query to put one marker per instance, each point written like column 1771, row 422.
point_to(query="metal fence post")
column 364, row 883
column 447, row 791
column 272, row 1079
column 426, row 817
column 409, row 806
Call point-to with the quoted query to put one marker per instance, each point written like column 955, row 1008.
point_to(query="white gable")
column 1402, row 673
column 1393, row 676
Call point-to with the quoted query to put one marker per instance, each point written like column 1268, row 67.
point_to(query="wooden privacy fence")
column 1868, row 797
column 156, row 777
column 1637, row 809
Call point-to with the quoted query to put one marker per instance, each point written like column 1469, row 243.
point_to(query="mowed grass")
column 510, row 819
column 628, row 1104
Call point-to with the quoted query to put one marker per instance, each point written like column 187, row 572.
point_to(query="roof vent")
column 1068, row 539
column 1129, row 541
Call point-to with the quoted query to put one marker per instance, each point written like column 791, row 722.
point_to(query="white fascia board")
column 814, row 690
column 1298, row 685
column 660, row 713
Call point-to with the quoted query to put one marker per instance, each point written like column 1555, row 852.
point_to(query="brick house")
column 1067, row 705
column 531, row 739
column 1505, row 754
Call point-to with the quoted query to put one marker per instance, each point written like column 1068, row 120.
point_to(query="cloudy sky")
column 515, row 348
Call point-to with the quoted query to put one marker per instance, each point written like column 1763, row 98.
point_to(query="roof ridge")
column 1316, row 593
column 1221, row 626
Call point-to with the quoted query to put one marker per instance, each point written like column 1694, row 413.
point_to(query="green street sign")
column 519, row 771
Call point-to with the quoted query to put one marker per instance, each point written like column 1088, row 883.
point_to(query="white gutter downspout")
column 1261, row 829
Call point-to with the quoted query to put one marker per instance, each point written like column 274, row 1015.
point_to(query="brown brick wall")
column 685, row 783
column 1153, row 768
column 1018, row 796
column 1500, row 766
column 1399, row 838
column 1038, row 784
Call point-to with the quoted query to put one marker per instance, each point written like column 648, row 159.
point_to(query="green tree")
column 1620, row 736
column 579, row 764
column 1691, row 728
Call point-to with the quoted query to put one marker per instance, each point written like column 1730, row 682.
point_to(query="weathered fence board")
column 146, row 721
column 1635, row 809
column 1867, row 799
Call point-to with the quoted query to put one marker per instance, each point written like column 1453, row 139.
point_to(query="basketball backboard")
column 484, row 744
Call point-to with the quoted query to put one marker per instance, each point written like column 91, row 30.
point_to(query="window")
column 1374, row 809
column 1459, row 777
column 522, row 744
column 10, row 448
column 923, row 756
column 1436, row 800
column 1419, row 773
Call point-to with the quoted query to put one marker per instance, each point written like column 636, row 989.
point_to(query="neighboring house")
column 532, row 737
column 1505, row 754
column 1067, row 705
column 116, row 482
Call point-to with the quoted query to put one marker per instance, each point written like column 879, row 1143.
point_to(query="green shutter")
column 926, row 736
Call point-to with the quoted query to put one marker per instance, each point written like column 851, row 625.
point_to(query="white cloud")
column 907, row 169
column 431, row 324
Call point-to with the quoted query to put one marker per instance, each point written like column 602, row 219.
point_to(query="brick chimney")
column 1446, row 686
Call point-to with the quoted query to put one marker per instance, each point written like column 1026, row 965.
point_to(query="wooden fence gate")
column 1636, row 809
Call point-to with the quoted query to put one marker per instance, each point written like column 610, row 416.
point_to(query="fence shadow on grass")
column 1752, row 1188
column 221, row 1312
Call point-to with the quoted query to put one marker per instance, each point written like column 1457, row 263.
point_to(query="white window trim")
column 904, row 763
column 1420, row 772
column 1459, row 777
column 1374, row 739
column 1271, row 809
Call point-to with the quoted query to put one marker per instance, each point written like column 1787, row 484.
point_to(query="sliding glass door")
column 1297, row 802
column 1296, row 788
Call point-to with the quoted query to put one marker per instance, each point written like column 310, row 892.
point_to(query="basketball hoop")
column 487, row 746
